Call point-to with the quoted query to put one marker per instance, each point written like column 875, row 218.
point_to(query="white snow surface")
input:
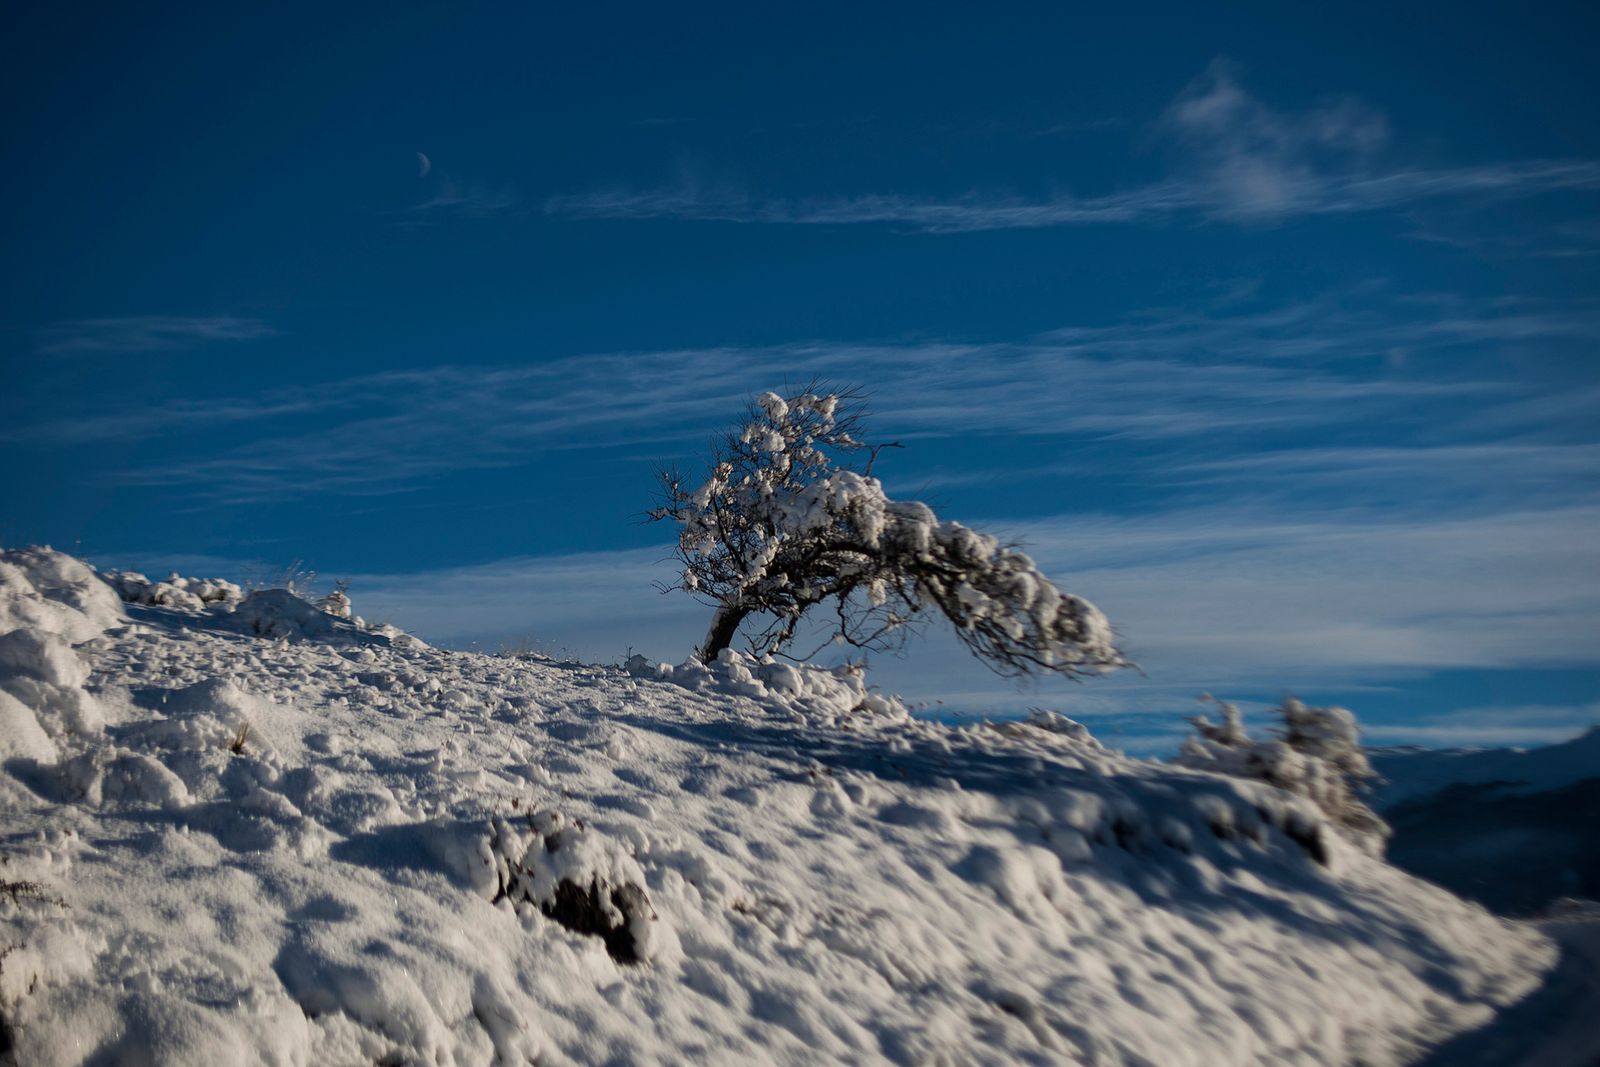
column 286, row 848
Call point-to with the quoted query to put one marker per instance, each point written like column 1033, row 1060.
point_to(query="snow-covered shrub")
column 278, row 606
column 45, row 590
column 574, row 876
column 280, row 613
column 337, row 603
column 282, row 601
column 791, row 518
column 1315, row 754
column 48, row 602
column 175, row 591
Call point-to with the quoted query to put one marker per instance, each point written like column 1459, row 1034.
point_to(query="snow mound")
column 309, row 849
column 826, row 695
column 48, row 603
column 49, row 592
column 1051, row 722
column 280, row 613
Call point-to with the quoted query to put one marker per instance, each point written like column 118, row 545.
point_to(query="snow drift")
column 229, row 843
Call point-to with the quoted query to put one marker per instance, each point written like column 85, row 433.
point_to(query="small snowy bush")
column 337, row 603
column 176, row 591
column 792, row 519
column 1316, row 754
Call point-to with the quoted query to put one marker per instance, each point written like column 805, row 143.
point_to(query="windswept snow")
column 240, row 835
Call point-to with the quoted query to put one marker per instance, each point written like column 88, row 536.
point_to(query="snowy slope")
column 1556, row 1026
column 233, row 839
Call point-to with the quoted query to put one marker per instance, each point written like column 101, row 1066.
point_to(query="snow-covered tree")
column 1316, row 754
column 337, row 603
column 792, row 519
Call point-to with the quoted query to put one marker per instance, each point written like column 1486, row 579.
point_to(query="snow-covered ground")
column 1555, row 1027
column 240, row 830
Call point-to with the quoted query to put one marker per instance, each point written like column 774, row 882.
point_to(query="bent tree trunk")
column 724, row 624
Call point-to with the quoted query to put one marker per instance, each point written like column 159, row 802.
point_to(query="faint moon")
column 424, row 164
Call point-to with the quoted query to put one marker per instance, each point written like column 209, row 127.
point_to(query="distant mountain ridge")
column 1515, row 829
column 1415, row 772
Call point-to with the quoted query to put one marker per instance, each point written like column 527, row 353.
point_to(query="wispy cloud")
column 1530, row 240
column 179, row 416
column 1534, row 465
column 146, row 333
column 1344, row 325
column 571, row 601
column 1244, row 159
column 385, row 432
column 1468, row 474
column 1230, row 591
column 455, row 200
column 1259, row 195
column 1233, row 157
column 1158, row 378
column 971, row 212
column 1215, row 599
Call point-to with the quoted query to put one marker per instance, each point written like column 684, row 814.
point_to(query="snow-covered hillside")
column 240, row 830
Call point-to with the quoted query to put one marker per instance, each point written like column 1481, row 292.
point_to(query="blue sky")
column 1274, row 331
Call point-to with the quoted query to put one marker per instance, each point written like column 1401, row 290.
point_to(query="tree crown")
column 792, row 518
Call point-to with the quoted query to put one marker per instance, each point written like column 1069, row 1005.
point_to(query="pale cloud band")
column 1155, row 377
column 1264, row 195
column 1233, row 158
column 1206, row 600
column 146, row 333
column 1214, row 594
